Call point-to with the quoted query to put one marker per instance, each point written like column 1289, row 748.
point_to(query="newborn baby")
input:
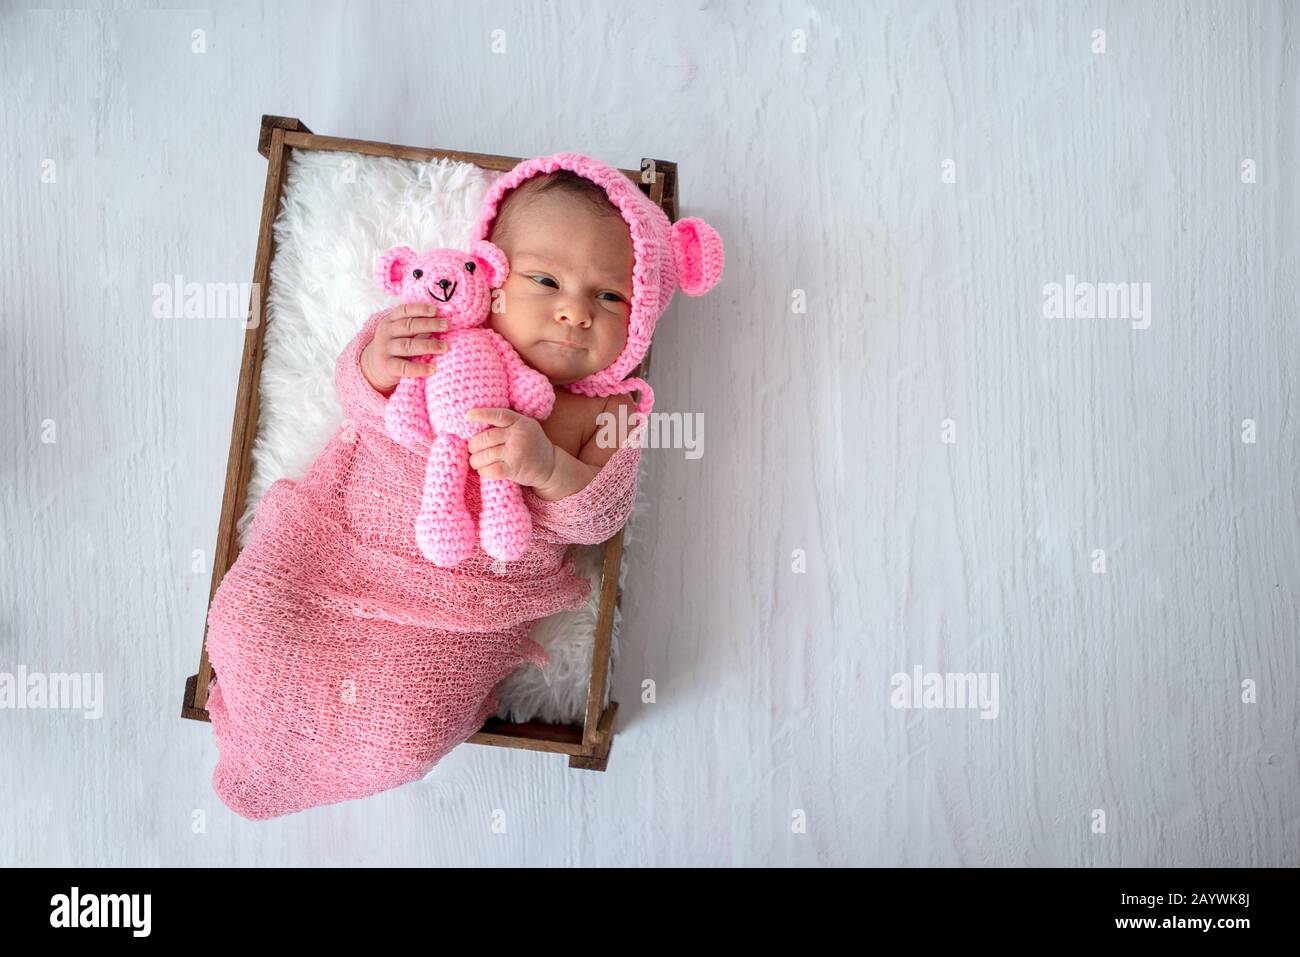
column 564, row 307
column 345, row 663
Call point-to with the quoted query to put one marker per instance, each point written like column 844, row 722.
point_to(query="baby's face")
column 569, row 291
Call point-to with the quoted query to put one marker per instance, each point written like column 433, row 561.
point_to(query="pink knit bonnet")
column 684, row 255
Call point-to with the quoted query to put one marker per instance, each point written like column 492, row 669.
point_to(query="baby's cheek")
column 501, row 316
column 499, row 321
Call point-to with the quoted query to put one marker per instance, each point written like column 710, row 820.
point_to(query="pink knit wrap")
column 346, row 663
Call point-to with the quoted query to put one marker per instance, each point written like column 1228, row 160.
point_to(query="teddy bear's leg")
column 444, row 529
column 505, row 526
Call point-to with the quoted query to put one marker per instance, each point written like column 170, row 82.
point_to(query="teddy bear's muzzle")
column 448, row 290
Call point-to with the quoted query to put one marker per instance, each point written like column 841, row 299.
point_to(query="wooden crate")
column 586, row 744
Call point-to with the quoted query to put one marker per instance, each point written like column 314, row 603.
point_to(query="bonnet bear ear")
column 492, row 256
column 391, row 266
column 697, row 255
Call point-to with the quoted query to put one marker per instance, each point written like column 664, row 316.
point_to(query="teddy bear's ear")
column 494, row 259
column 391, row 267
column 697, row 255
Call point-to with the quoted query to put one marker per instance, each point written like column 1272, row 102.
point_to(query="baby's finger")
column 409, row 368
column 487, row 439
column 416, row 346
column 410, row 310
column 496, row 470
column 493, row 416
column 415, row 317
column 487, row 456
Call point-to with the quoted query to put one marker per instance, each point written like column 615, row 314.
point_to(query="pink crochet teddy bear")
column 479, row 369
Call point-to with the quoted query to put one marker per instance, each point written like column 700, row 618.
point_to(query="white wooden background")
column 822, row 169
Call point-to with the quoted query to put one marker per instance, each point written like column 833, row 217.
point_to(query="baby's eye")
column 417, row 274
column 544, row 280
column 616, row 296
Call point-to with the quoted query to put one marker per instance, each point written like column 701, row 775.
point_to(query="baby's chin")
column 557, row 364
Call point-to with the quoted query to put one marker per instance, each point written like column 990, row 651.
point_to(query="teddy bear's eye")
column 469, row 267
column 417, row 274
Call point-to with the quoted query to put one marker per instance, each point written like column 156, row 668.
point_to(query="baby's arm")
column 590, row 495
column 597, row 509
column 574, row 473
column 362, row 404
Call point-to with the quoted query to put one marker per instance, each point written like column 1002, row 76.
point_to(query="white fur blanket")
column 339, row 211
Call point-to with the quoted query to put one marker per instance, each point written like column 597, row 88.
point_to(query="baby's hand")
column 515, row 448
column 400, row 336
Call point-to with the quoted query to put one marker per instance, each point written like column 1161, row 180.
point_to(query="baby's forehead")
column 538, row 210
column 558, row 227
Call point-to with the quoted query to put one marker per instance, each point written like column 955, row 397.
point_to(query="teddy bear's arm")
column 530, row 392
column 406, row 415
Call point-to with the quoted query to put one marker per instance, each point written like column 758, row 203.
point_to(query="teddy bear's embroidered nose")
column 447, row 293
